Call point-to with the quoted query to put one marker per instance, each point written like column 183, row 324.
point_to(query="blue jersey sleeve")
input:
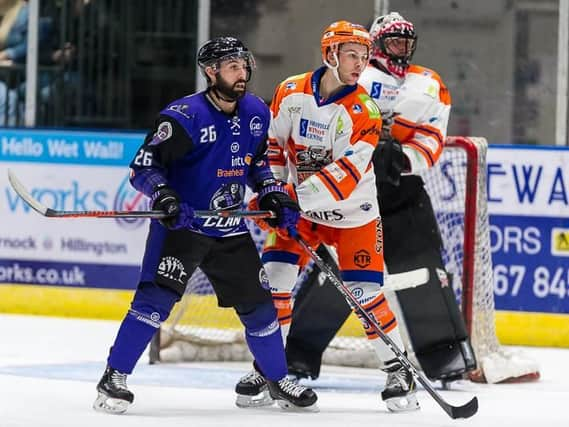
column 167, row 143
column 260, row 174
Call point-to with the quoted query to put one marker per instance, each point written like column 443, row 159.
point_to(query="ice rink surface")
column 49, row 368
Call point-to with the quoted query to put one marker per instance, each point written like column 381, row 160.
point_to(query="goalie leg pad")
column 430, row 312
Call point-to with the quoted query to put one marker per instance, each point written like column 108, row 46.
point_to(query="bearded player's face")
column 231, row 78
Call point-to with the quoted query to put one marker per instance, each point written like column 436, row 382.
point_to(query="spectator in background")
column 13, row 54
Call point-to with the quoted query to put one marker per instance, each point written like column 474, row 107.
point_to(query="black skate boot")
column 252, row 391
column 114, row 397
column 400, row 389
column 293, row 396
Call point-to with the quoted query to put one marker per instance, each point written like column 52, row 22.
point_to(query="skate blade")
column 403, row 404
column 290, row 407
column 109, row 405
column 260, row 400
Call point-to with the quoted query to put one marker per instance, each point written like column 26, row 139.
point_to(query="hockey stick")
column 152, row 214
column 465, row 411
column 408, row 279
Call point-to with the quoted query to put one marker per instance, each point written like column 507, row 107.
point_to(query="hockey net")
column 199, row 330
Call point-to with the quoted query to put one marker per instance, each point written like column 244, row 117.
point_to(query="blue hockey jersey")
column 207, row 156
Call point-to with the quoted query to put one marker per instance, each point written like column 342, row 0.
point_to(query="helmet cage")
column 410, row 43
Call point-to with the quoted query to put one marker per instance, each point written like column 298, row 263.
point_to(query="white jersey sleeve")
column 419, row 108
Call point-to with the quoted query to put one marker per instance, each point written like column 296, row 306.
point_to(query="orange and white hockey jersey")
column 419, row 105
column 324, row 148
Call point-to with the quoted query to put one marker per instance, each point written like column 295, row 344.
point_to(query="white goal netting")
column 198, row 330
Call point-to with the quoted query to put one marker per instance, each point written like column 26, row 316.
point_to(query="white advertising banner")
column 68, row 170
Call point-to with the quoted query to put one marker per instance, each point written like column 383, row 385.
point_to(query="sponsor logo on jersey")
column 172, row 268
column 362, row 258
column 432, row 91
column 235, row 125
column 311, row 129
column 264, row 279
column 330, row 216
column 357, row 108
column 337, row 172
column 373, row 131
column 163, row 132
column 375, row 91
column 372, row 108
column 234, row 147
column 340, row 126
column 229, row 173
column 378, row 236
column 256, row 126
column 291, row 85
column 237, row 161
column 383, row 91
column 294, row 110
column 311, row 160
column 223, row 224
column 366, row 206
column 357, row 292
column 180, row 109
column 228, row 196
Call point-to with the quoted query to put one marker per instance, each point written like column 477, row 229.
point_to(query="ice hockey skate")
column 114, row 396
column 290, row 395
column 252, row 391
column 399, row 393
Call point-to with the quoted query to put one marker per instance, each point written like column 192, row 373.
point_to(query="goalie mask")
column 394, row 42
column 220, row 49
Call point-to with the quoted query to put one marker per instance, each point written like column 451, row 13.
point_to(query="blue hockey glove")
column 275, row 198
column 180, row 215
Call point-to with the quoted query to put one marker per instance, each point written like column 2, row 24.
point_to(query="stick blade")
column 25, row 195
column 408, row 279
column 465, row 411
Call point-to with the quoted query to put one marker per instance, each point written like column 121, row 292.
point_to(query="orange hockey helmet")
column 343, row 32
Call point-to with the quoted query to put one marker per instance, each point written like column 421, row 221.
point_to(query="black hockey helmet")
column 219, row 49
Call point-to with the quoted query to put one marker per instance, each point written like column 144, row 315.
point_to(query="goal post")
column 198, row 330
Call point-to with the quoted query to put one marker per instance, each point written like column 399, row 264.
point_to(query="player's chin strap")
column 334, row 68
column 465, row 411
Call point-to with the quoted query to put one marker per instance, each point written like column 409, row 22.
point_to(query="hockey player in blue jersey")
column 203, row 151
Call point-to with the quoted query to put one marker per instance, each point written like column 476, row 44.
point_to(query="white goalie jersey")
column 416, row 108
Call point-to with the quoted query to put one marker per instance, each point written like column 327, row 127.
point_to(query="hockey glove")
column 275, row 198
column 180, row 215
column 388, row 161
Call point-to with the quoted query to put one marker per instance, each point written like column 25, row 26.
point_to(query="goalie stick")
column 152, row 214
column 464, row 411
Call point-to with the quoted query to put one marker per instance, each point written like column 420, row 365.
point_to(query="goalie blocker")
column 429, row 313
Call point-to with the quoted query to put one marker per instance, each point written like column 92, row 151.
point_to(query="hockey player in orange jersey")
column 323, row 133
column 415, row 106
